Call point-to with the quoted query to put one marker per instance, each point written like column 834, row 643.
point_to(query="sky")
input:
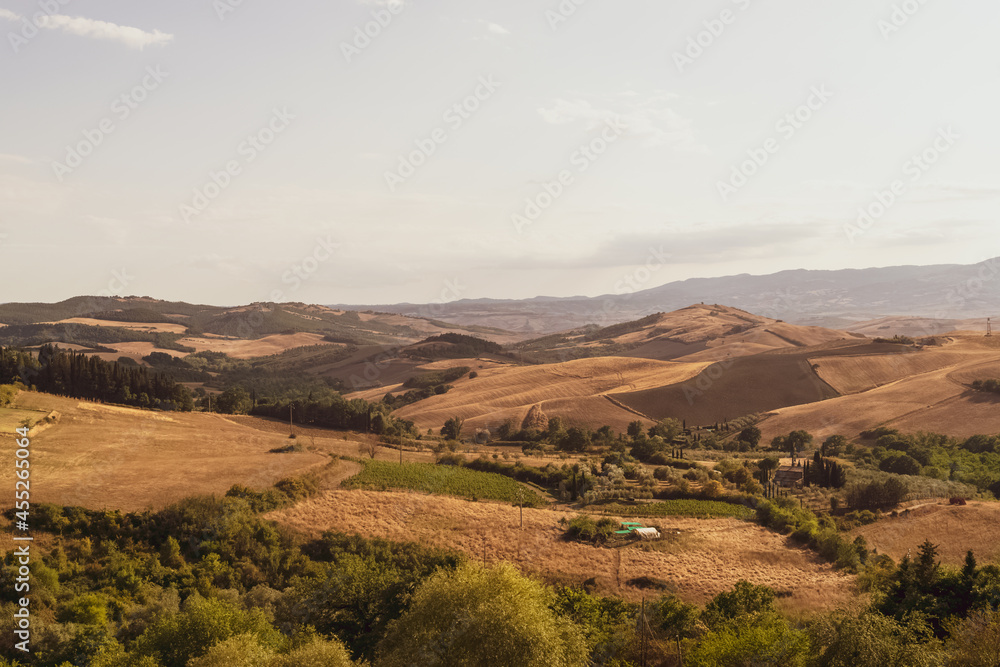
column 382, row 151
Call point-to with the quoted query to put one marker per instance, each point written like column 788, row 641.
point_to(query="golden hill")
column 696, row 333
column 911, row 390
column 575, row 390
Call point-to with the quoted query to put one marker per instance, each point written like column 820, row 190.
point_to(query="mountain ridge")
column 818, row 297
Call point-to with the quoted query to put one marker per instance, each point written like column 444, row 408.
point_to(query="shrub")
column 585, row 529
column 663, row 473
column 877, row 494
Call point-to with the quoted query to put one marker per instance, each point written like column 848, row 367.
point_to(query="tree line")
column 77, row 375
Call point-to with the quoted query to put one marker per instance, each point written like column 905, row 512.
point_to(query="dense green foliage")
column 895, row 340
column 453, row 620
column 335, row 411
column 28, row 335
column 549, row 477
column 77, row 375
column 207, row 583
column 455, row 346
column 585, row 529
column 974, row 461
column 452, row 429
column 441, row 479
column 435, row 378
column 825, row 473
column 278, row 376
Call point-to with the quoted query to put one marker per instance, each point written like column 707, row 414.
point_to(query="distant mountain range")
column 839, row 299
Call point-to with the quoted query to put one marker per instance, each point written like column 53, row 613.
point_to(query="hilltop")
column 696, row 333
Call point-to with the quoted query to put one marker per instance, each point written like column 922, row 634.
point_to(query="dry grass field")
column 261, row 347
column 100, row 456
column 478, row 365
column 953, row 529
column 852, row 375
column 915, row 327
column 699, row 558
column 937, row 400
column 157, row 327
column 570, row 390
column 708, row 333
column 135, row 351
column 12, row 418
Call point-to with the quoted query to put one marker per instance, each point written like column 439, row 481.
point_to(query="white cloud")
column 497, row 29
column 645, row 115
column 7, row 157
column 134, row 38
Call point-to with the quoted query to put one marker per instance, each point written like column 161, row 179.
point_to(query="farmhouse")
column 788, row 476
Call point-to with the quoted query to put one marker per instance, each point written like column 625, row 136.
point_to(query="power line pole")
column 642, row 634
column 291, row 428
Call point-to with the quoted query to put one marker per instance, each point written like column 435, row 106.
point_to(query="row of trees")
column 824, row 473
column 68, row 373
column 335, row 412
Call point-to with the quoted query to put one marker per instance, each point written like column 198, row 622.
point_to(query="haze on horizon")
column 824, row 111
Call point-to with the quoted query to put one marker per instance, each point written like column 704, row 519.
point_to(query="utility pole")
column 642, row 634
column 291, row 428
column 989, row 327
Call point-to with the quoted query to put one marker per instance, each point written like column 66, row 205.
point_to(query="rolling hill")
column 577, row 391
column 136, row 326
column 695, row 333
column 725, row 364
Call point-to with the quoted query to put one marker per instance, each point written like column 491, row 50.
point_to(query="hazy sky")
column 199, row 151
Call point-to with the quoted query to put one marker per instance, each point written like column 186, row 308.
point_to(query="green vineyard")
column 709, row 509
column 442, row 480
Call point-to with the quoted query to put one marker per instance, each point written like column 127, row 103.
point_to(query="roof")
column 788, row 474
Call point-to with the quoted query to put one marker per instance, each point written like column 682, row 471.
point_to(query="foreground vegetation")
column 439, row 479
column 209, row 583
